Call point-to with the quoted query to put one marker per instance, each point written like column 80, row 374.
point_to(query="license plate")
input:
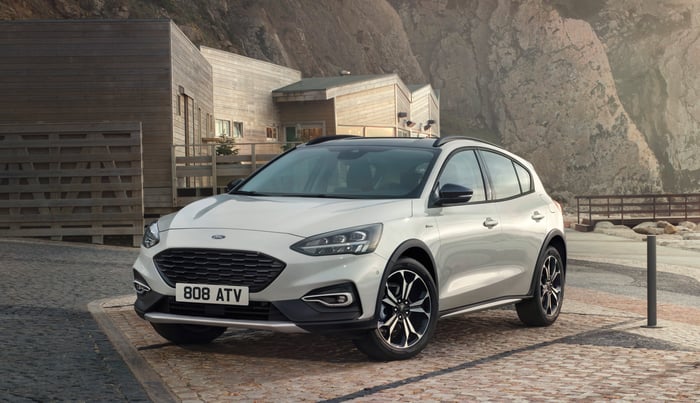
column 211, row 294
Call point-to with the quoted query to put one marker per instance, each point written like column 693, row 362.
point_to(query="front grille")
column 263, row 311
column 218, row 266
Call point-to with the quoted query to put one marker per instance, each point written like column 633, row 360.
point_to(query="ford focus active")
column 374, row 238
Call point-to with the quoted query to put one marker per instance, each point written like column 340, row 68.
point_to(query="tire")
column 188, row 334
column 548, row 295
column 407, row 313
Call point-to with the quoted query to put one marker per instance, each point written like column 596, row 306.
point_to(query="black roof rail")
column 323, row 139
column 444, row 140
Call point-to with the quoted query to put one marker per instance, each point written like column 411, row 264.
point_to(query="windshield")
column 363, row 172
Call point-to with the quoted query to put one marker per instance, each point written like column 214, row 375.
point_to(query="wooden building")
column 370, row 106
column 134, row 105
column 243, row 106
column 91, row 71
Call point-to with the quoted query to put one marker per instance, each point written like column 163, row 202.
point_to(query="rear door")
column 522, row 220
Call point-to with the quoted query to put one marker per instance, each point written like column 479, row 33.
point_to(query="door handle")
column 537, row 216
column 490, row 223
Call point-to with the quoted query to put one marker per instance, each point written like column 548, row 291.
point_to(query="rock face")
column 654, row 50
column 538, row 83
column 602, row 96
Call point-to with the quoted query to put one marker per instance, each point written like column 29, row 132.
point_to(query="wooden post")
column 214, row 176
column 622, row 210
column 253, row 159
column 173, row 173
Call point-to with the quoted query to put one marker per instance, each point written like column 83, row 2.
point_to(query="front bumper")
column 282, row 327
column 277, row 307
column 291, row 316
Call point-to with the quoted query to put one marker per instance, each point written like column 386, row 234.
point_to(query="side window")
column 463, row 169
column 504, row 179
column 524, row 177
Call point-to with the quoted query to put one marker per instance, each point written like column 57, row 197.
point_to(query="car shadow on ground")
column 466, row 331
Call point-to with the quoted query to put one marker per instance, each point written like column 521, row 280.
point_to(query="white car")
column 376, row 238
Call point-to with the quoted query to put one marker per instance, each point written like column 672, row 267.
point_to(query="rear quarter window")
column 524, row 177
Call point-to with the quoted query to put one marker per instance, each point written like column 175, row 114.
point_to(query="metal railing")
column 637, row 207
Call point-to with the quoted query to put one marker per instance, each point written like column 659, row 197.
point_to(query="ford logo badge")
column 218, row 236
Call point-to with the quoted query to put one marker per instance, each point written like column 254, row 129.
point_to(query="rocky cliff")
column 600, row 95
column 653, row 48
column 538, row 82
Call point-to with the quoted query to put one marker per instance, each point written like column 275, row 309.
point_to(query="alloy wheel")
column 551, row 285
column 405, row 312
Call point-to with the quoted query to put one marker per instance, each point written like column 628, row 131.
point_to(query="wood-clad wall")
column 192, row 100
column 403, row 104
column 372, row 107
column 424, row 107
column 106, row 70
column 60, row 71
column 242, row 92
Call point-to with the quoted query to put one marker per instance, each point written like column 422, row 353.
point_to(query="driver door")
column 469, row 253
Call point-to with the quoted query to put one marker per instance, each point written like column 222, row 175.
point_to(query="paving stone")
column 485, row 356
column 597, row 350
column 51, row 349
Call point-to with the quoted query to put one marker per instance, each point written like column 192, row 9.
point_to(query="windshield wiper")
column 325, row 196
column 305, row 195
column 246, row 193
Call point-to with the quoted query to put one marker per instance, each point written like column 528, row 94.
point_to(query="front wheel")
column 544, row 306
column 408, row 306
column 188, row 334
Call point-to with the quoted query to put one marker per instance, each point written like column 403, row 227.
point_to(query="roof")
column 324, row 83
column 324, row 88
column 415, row 87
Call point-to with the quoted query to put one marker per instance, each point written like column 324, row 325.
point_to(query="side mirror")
column 451, row 194
column 233, row 184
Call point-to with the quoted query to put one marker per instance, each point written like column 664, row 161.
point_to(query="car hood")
column 298, row 216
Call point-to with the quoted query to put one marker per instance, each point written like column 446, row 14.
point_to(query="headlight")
column 356, row 240
column 151, row 235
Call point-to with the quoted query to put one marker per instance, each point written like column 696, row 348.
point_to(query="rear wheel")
column 188, row 334
column 407, row 313
column 544, row 306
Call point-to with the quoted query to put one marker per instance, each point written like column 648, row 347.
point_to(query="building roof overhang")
column 325, row 88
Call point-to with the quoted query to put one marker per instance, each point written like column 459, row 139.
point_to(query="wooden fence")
column 71, row 180
column 633, row 209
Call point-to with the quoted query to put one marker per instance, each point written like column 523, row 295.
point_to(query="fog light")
column 141, row 288
column 334, row 300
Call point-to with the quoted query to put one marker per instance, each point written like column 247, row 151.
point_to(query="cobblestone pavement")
column 51, row 349
column 597, row 351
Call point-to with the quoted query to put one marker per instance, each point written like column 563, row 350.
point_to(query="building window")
column 179, row 105
column 403, row 133
column 271, row 133
column 223, row 128
column 237, row 129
